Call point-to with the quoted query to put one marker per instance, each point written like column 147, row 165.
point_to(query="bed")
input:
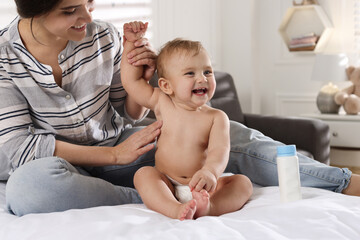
column 319, row 215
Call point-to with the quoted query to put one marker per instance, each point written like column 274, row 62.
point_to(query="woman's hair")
column 32, row 8
column 175, row 46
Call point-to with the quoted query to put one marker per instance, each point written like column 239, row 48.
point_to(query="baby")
column 193, row 148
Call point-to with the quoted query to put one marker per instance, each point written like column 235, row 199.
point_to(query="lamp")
column 329, row 68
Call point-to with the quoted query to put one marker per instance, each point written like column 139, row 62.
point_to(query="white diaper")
column 182, row 192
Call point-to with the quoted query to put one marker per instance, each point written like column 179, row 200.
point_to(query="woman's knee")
column 30, row 186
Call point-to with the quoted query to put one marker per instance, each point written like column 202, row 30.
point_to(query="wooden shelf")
column 303, row 20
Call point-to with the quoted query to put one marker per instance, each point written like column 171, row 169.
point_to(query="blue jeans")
column 254, row 155
column 52, row 184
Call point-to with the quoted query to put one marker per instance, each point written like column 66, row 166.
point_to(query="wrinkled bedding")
column 320, row 215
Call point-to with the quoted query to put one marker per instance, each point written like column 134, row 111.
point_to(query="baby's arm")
column 131, row 76
column 217, row 157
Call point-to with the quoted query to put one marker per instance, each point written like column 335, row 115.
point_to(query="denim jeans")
column 52, row 184
column 254, row 155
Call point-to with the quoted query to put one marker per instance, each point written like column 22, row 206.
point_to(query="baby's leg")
column 230, row 195
column 157, row 193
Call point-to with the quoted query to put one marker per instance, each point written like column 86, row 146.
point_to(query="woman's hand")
column 143, row 55
column 137, row 144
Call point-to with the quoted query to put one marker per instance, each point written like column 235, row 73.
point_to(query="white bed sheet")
column 320, row 215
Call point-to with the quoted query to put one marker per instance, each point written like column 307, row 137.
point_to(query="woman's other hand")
column 144, row 55
column 137, row 144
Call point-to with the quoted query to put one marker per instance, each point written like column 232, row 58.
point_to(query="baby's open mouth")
column 200, row 91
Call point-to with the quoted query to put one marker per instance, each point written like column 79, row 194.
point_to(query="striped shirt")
column 34, row 110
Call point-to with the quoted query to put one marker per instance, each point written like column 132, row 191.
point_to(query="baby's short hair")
column 171, row 47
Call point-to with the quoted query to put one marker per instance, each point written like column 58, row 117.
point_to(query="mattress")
column 319, row 215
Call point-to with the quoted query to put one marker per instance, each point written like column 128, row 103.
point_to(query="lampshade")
column 329, row 67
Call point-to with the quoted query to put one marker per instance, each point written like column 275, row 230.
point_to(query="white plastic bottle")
column 288, row 173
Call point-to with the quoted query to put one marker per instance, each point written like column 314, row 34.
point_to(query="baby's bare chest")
column 187, row 125
column 183, row 127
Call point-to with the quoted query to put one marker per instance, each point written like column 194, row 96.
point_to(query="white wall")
column 7, row 12
column 225, row 29
column 195, row 20
column 242, row 36
column 239, row 48
column 284, row 85
column 284, row 81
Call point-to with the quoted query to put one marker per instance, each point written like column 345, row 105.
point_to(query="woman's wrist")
column 85, row 155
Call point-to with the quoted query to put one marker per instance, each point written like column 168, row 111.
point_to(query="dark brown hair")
column 32, row 8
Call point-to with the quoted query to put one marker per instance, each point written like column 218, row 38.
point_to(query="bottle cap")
column 287, row 150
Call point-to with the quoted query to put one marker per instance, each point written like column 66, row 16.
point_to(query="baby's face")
column 191, row 78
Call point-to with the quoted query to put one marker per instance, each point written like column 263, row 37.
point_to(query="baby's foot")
column 202, row 203
column 187, row 210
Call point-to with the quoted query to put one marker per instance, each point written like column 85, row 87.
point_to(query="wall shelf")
column 302, row 21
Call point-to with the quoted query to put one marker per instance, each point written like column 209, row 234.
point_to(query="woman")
column 61, row 98
column 62, row 138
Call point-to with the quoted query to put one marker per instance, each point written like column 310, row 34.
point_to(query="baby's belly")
column 179, row 162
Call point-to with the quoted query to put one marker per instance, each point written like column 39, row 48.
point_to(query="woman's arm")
column 20, row 141
column 124, row 153
column 143, row 55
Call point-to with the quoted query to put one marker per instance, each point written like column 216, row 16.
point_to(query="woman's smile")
column 79, row 28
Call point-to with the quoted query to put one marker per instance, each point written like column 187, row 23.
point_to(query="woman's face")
column 67, row 21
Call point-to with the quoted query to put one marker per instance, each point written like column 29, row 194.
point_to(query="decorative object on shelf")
column 349, row 97
column 329, row 68
column 325, row 99
column 305, row 27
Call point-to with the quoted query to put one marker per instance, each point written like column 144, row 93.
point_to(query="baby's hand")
column 134, row 30
column 203, row 179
